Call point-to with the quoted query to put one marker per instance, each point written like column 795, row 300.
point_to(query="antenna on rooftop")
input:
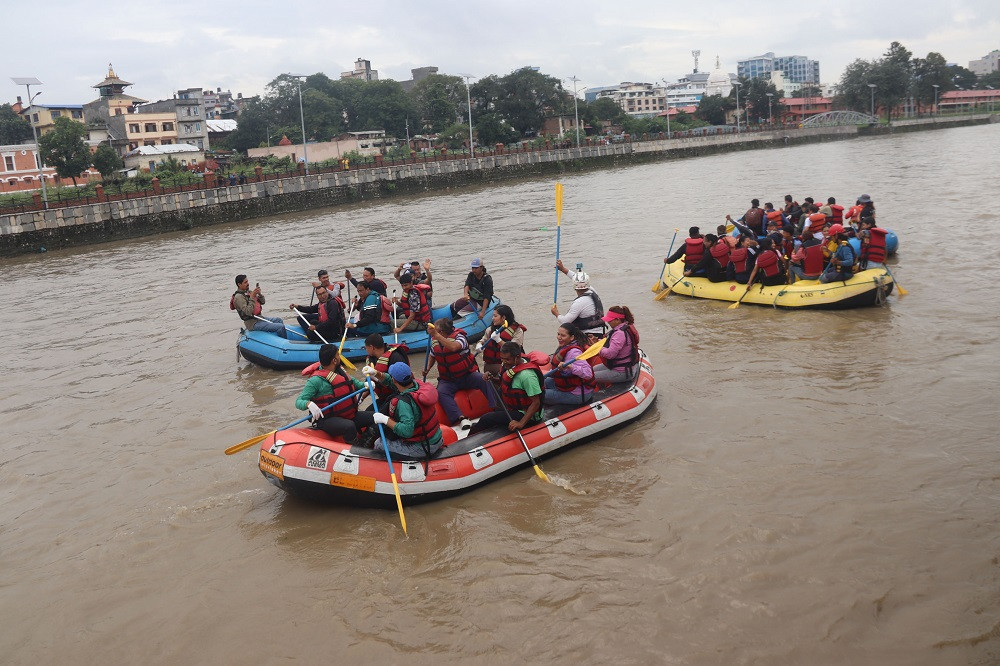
column 696, row 53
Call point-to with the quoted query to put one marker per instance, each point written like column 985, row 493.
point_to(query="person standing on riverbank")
column 248, row 306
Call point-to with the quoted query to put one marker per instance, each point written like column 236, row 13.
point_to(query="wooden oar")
column 666, row 292
column 559, row 206
column 538, row 470
column 348, row 364
column 257, row 440
column 388, row 458
column 899, row 288
column 656, row 285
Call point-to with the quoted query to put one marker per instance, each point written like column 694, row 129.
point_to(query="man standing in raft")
column 586, row 310
column 248, row 306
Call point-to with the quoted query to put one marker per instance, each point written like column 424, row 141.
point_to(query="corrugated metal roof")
column 221, row 125
column 164, row 150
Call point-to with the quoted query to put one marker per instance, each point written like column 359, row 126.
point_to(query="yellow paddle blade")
column 541, row 474
column 348, row 364
column 902, row 292
column 734, row 305
column 656, row 286
column 559, row 195
column 399, row 501
column 592, row 350
column 666, row 292
column 236, row 448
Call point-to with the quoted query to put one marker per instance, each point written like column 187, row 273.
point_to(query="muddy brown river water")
column 809, row 488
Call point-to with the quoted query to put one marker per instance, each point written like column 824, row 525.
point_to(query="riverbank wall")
column 37, row 231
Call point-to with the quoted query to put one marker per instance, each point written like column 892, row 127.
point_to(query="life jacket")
column 774, row 216
column 340, row 387
column 454, row 365
column 491, row 350
column 816, row 222
column 813, row 262
column 594, row 321
column 232, row 305
column 631, row 344
column 720, row 252
column 382, row 364
column 422, row 401
column 378, row 286
column 569, row 382
column 694, row 250
column 476, row 288
column 517, row 398
column 875, row 252
column 768, row 261
column 385, row 310
column 838, row 213
column 423, row 292
column 738, row 258
column 324, row 315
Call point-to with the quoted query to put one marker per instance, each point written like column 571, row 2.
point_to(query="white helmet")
column 581, row 281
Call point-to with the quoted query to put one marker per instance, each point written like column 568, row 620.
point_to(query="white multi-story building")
column 988, row 63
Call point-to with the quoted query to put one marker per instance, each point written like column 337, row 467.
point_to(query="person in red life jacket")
column 713, row 262
column 413, row 270
column 587, row 309
column 742, row 259
column 375, row 313
column 786, row 244
column 323, row 321
column 457, row 369
column 368, row 276
column 326, row 385
column 572, row 384
column 323, row 278
column 807, row 260
column 836, row 211
column 768, row 267
column 248, row 304
column 842, row 259
column 872, row 244
column 693, row 249
column 521, row 391
column 620, row 353
column 410, row 417
column 477, row 293
column 414, row 305
column 380, row 357
column 497, row 334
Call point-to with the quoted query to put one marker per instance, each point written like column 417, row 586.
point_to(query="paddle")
column 493, row 337
column 656, row 285
column 343, row 339
column 899, row 287
column 538, row 470
column 395, row 335
column 666, row 292
column 559, row 201
column 257, row 440
column 388, row 458
column 290, row 330
column 737, row 303
column 348, row 364
column 589, row 352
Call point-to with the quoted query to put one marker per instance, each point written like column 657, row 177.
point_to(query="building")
column 797, row 69
column 168, row 121
column 958, row 101
column 220, row 104
column 689, row 89
column 43, row 116
column 560, row 125
column 220, row 128
column 19, row 168
column 637, row 99
column 417, row 74
column 362, row 70
column 592, row 93
column 988, row 63
column 107, row 113
column 365, row 143
column 148, row 157
column 798, row 109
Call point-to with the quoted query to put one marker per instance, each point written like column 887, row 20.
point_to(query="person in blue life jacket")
column 375, row 313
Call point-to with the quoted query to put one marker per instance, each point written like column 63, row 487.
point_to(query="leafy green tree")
column 454, row 136
column 753, row 97
column 853, row 91
column 107, row 161
column 806, row 91
column 13, row 128
column 64, row 149
column 603, row 108
column 438, row 101
column 713, row 108
column 492, row 129
column 962, row 77
column 928, row 72
column 991, row 80
column 522, row 97
column 892, row 77
column 383, row 105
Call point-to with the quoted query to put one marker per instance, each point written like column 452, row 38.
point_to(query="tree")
column 107, row 161
column 991, row 80
column 853, row 91
column 64, row 149
column 928, row 72
column 383, row 105
column 807, row 90
column 438, row 101
column 962, row 77
column 492, row 129
column 892, row 76
column 604, row 108
column 757, row 103
column 522, row 98
column 13, row 128
column 454, row 136
column 712, row 108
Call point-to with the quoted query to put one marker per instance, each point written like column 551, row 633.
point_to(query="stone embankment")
column 35, row 231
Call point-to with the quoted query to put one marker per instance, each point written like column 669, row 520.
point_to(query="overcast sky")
column 242, row 44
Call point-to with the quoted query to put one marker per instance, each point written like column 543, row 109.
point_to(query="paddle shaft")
column 290, row 330
column 395, row 335
column 388, row 457
column 589, row 352
column 559, row 196
column 670, row 251
column 506, row 411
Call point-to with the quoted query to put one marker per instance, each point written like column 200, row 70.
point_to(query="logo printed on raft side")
column 317, row 458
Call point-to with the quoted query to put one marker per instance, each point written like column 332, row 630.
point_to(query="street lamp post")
column 27, row 82
column 302, row 119
column 468, row 100
column 769, row 96
column 666, row 103
column 935, row 86
column 872, row 86
column 737, row 84
column 576, row 112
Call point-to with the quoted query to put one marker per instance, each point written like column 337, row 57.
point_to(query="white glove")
column 368, row 371
column 316, row 412
column 381, row 418
column 479, row 347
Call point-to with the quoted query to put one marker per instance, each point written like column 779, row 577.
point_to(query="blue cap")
column 401, row 372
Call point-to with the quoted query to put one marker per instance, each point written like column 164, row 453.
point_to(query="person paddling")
column 520, row 391
column 326, row 385
column 620, row 354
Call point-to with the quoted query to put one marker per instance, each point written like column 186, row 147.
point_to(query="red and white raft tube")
column 309, row 463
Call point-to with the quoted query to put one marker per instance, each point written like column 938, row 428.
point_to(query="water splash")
column 564, row 483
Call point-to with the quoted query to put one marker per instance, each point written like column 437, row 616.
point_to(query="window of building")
column 166, row 142
column 201, row 144
column 56, row 114
column 197, row 127
column 34, row 117
column 150, row 127
column 152, row 165
column 168, row 127
column 149, row 142
column 76, row 113
column 133, row 128
column 195, row 111
column 8, row 162
column 118, row 112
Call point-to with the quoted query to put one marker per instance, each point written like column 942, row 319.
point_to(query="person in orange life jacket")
column 842, row 259
column 808, row 260
column 692, row 249
column 713, row 262
column 509, row 332
column 325, row 320
column 477, row 293
column 323, row 278
column 768, row 266
column 620, row 353
column 731, row 241
column 414, row 304
column 456, row 365
column 775, row 215
column 248, row 306
column 520, row 390
column 586, row 310
column 380, row 357
column 413, row 430
column 374, row 317
column 872, row 244
column 325, row 385
column 742, row 259
column 574, row 383
column 368, row 276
